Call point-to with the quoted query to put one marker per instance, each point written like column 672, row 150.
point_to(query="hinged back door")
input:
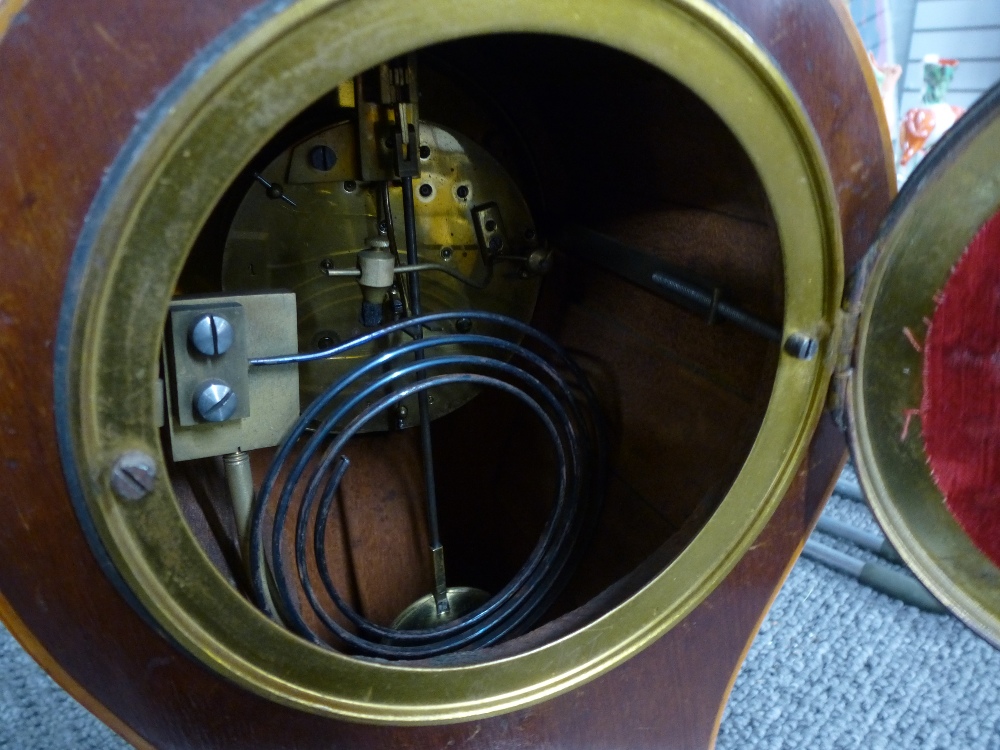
column 925, row 388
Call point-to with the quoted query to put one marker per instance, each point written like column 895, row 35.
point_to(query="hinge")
column 845, row 338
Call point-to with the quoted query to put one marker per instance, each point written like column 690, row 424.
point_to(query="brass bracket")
column 490, row 231
column 388, row 120
column 268, row 396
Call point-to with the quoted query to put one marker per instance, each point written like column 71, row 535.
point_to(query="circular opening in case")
column 678, row 398
column 577, row 178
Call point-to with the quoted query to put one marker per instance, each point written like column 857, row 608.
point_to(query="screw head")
column 326, row 340
column 211, row 335
column 215, row 401
column 426, row 190
column 322, row 158
column 462, row 191
column 540, row 261
column 496, row 243
column 463, row 325
column 801, row 346
column 350, row 186
column 445, row 253
column 133, row 475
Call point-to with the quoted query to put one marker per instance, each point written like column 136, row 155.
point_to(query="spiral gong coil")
column 552, row 387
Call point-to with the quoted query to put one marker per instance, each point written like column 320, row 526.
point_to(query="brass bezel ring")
column 942, row 206
column 227, row 105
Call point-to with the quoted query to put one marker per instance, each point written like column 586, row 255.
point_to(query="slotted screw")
column 322, row 158
column 133, row 475
column 215, row 401
column 211, row 335
column 801, row 346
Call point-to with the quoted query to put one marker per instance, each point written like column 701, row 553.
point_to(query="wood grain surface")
column 76, row 77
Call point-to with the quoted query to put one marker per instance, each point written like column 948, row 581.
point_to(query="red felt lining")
column 960, row 410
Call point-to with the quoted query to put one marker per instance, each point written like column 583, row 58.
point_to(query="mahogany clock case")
column 60, row 602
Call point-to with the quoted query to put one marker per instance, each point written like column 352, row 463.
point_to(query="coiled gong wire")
column 547, row 381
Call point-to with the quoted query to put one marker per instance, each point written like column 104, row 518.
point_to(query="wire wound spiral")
column 552, row 387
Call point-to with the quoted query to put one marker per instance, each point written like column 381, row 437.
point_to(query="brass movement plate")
column 272, row 245
column 155, row 205
column 940, row 209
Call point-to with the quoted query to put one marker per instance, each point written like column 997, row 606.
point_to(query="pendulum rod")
column 423, row 404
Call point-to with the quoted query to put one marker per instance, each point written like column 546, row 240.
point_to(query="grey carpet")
column 35, row 713
column 836, row 666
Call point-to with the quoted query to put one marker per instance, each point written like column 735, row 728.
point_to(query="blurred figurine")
column 922, row 127
column 887, row 76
